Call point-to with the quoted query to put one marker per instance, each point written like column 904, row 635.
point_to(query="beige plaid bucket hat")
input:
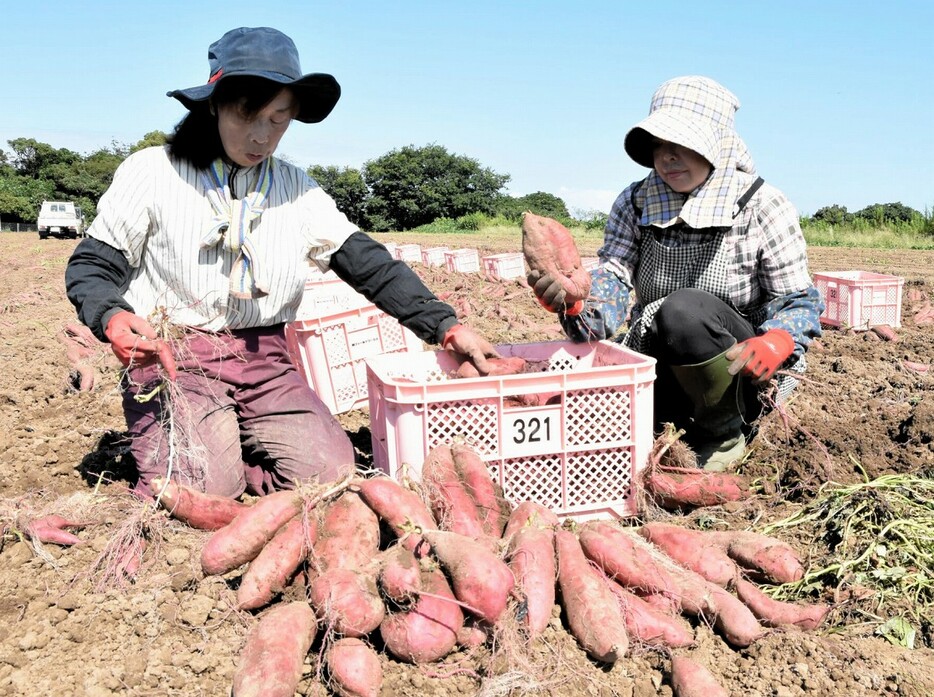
column 692, row 111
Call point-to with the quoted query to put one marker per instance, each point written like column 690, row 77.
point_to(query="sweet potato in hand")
column 549, row 250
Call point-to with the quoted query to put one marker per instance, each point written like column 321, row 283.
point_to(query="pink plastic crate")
column 434, row 256
column 408, row 252
column 590, row 263
column 462, row 260
column 578, row 449
column 327, row 295
column 860, row 299
column 504, row 266
column 316, row 274
column 330, row 352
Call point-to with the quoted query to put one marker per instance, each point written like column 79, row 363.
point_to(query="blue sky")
column 837, row 97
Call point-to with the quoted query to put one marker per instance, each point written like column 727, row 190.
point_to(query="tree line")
column 401, row 190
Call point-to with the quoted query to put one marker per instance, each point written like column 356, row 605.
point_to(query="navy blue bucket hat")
column 270, row 54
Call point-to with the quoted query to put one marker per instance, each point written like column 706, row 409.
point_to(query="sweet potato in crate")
column 860, row 299
column 330, row 351
column 504, row 266
column 573, row 433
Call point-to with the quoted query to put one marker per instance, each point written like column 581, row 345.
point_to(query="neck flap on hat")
column 233, row 224
column 712, row 204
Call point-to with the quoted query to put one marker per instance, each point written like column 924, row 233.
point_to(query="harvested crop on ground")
column 864, row 412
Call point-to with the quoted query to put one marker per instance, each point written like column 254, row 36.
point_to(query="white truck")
column 60, row 219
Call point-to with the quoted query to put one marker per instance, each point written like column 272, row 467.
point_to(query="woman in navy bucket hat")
column 198, row 258
column 717, row 265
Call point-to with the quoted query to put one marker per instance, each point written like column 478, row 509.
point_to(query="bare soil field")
column 70, row 627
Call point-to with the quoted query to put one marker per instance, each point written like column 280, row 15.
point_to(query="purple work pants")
column 238, row 418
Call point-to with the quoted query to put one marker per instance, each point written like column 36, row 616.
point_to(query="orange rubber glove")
column 135, row 342
column 551, row 295
column 463, row 339
column 760, row 356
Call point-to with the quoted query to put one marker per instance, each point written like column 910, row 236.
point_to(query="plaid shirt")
column 772, row 284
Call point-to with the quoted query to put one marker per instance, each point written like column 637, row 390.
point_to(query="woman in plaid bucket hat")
column 209, row 239
column 723, row 298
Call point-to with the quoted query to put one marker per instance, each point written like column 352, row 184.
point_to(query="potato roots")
column 691, row 679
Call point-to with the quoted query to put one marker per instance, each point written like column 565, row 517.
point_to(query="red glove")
column 760, row 356
column 551, row 294
column 135, row 342
column 462, row 339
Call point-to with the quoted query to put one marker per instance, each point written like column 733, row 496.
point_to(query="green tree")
column 833, row 215
column 346, row 186
column 414, row 186
column 151, row 139
column 20, row 197
column 540, row 203
column 882, row 213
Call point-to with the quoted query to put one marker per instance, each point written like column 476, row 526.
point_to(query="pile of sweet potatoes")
column 420, row 570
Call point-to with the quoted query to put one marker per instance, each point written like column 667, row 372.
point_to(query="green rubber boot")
column 716, row 434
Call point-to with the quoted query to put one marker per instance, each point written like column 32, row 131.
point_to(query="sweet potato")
column 481, row 580
column 549, row 248
column 242, row 539
column 531, row 557
column 511, row 365
column 487, row 496
column 399, row 507
column 691, row 679
column 664, row 604
column 635, row 564
column 430, row 630
column 473, row 634
column 529, row 513
column 271, row 661
column 627, row 558
column 51, row 528
column 774, row 613
column 347, row 601
column 452, row 506
column 729, row 615
column 693, row 550
column 354, row 668
column 675, row 488
column 649, row 625
column 272, row 569
column 777, row 560
column 593, row 614
column 197, row 509
column 400, row 576
column 348, row 536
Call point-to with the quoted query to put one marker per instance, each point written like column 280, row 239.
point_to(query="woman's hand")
column 464, row 340
column 760, row 356
column 135, row 342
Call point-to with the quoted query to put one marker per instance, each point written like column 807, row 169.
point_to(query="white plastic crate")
column 504, row 266
column 860, row 299
column 579, row 449
column 330, row 352
column 391, row 248
column 462, row 260
column 434, row 256
column 408, row 252
column 326, row 296
column 590, row 263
